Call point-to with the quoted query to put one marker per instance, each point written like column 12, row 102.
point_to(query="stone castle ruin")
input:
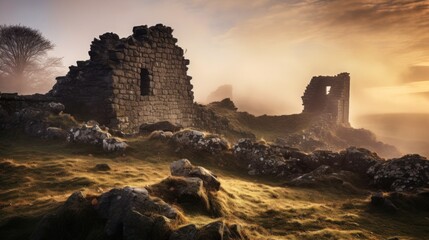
column 329, row 95
column 142, row 79
column 130, row 81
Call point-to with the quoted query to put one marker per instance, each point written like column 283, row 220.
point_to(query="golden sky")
column 268, row 50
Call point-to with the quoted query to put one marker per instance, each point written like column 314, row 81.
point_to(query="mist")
column 266, row 50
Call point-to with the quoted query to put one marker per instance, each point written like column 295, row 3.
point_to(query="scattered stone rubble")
column 96, row 136
column 401, row 174
column 197, row 140
column 139, row 213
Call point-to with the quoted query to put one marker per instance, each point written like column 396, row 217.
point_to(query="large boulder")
column 401, row 174
column 200, row 141
column 126, row 210
column 189, row 192
column 184, row 167
column 76, row 219
column 359, row 160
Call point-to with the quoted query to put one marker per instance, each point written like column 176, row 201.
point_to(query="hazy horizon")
column 267, row 50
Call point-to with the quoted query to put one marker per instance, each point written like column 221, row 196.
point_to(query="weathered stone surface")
column 265, row 159
column 189, row 192
column 282, row 161
column 130, row 208
column 198, row 140
column 88, row 134
column 401, row 174
column 114, row 144
column 183, row 167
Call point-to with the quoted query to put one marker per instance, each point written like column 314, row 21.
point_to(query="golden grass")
column 37, row 176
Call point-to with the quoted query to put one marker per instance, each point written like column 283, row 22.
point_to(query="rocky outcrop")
column 200, row 141
column 401, row 174
column 266, row 159
column 139, row 213
column 282, row 161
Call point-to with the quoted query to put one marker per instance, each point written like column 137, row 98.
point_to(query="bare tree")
column 24, row 63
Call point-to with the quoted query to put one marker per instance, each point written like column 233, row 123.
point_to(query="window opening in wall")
column 328, row 90
column 144, row 82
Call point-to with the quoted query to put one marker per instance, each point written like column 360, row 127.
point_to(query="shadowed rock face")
column 183, row 167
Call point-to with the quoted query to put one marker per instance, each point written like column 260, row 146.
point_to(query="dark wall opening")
column 144, row 82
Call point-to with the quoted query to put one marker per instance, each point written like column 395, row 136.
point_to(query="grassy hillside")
column 37, row 176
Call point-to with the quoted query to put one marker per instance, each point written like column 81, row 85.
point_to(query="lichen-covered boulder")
column 401, row 174
column 88, row 134
column 96, row 136
column 184, row 167
column 197, row 140
column 265, row 159
column 114, row 144
column 358, row 160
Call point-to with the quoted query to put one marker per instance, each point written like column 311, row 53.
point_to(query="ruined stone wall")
column 129, row 81
column 329, row 95
column 12, row 102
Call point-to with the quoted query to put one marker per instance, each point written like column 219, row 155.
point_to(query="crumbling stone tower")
column 329, row 95
column 129, row 81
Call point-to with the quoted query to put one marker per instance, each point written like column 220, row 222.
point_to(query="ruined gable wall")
column 108, row 87
column 86, row 90
column 168, row 96
column 336, row 103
